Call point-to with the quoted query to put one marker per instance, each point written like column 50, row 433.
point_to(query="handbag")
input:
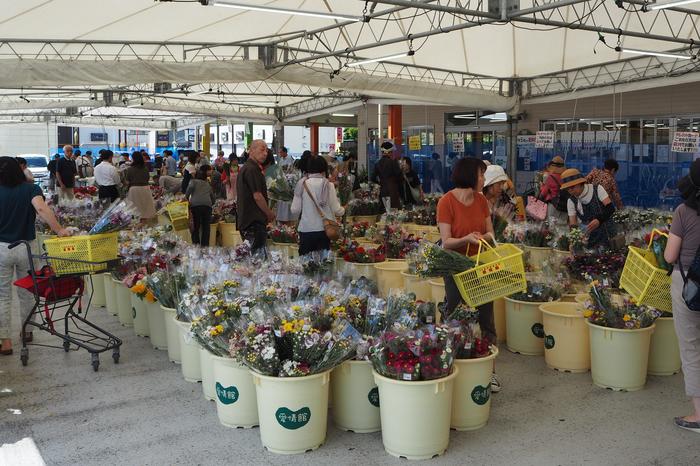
column 536, row 209
column 331, row 227
column 691, row 283
column 415, row 192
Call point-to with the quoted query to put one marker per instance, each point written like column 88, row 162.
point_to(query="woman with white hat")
column 495, row 179
column 590, row 205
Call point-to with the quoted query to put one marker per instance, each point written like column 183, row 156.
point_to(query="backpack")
column 691, row 283
column 561, row 200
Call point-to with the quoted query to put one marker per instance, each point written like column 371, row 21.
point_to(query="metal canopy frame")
column 328, row 49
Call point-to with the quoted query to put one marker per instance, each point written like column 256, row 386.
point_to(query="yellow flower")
column 219, row 313
column 150, row 297
column 296, row 308
column 587, row 313
column 626, row 318
column 138, row 288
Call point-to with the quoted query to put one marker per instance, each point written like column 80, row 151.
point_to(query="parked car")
column 38, row 165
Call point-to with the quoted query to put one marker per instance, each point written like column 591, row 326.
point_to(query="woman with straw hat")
column 589, row 205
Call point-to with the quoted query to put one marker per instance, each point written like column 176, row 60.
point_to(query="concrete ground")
column 142, row 412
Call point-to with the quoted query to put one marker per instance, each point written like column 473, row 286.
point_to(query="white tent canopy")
column 265, row 66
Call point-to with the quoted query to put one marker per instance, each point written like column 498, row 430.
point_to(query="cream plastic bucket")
column 156, row 326
column 213, row 227
column 499, row 318
column 416, row 416
column 110, row 294
column 418, row 286
column 206, row 365
column 536, row 257
column 437, row 291
column 172, row 333
column 189, row 354
column 355, row 397
column 524, row 327
column 619, row 358
column 228, row 234
column 471, row 403
column 357, row 270
column 293, row 412
column 664, row 354
column 123, row 294
column 566, row 341
column 389, row 276
column 98, row 290
column 236, row 403
column 140, row 315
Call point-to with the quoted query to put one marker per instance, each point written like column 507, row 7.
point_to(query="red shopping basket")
column 49, row 287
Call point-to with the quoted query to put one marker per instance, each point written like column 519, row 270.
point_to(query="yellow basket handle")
column 655, row 232
column 483, row 242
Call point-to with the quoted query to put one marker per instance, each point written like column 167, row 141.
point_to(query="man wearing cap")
column 590, row 205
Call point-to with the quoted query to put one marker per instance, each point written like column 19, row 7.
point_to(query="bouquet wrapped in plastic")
column 538, row 293
column 279, row 187
column 469, row 342
column 119, row 216
column 426, row 353
column 617, row 311
column 434, row 261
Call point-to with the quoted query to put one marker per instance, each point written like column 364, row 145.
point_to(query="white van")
column 38, row 165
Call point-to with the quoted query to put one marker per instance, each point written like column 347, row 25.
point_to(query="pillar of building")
column 314, row 138
column 395, row 125
column 206, row 139
column 362, row 137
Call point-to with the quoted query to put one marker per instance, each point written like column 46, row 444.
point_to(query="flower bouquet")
column 279, row 186
column 573, row 240
column 469, row 342
column 358, row 229
column 318, row 264
column 166, row 286
column 607, row 310
column 605, row 266
column 538, row 293
column 296, row 347
column 434, row 261
column 397, row 242
column 422, row 354
column 344, row 188
column 538, row 235
column 358, row 254
column 141, row 290
column 118, row 216
column 84, row 192
column 658, row 246
column 284, row 234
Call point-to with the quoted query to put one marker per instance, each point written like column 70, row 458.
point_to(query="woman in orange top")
column 464, row 219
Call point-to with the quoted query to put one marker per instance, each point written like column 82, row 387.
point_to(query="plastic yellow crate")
column 499, row 272
column 90, row 248
column 644, row 281
column 179, row 213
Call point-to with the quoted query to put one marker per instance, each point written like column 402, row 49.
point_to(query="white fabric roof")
column 465, row 67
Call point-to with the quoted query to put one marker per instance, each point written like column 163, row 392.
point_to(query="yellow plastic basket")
column 644, row 280
column 89, row 248
column 179, row 213
column 499, row 272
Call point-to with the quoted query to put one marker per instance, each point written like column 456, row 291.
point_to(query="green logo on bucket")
column 481, row 395
column 226, row 395
column 133, row 312
column 538, row 330
column 373, row 397
column 549, row 341
column 293, row 420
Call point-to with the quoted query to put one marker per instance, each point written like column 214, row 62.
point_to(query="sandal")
column 692, row 426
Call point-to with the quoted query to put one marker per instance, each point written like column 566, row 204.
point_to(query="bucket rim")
column 455, row 371
column 389, row 266
column 623, row 330
column 494, row 353
column 291, row 379
column 543, row 308
column 539, row 303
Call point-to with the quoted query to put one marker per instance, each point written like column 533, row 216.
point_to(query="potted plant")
column 524, row 318
column 414, row 371
column 620, row 337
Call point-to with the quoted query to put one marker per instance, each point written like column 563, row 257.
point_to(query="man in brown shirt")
column 606, row 179
column 253, row 213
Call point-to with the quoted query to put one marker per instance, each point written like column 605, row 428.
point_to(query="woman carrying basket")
column 464, row 219
column 19, row 204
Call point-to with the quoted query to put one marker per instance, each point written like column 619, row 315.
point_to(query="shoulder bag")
column 331, row 227
column 691, row 283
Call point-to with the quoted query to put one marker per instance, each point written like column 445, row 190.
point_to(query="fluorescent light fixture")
column 410, row 53
column 43, row 97
column 501, row 116
column 270, row 9
column 655, row 54
column 661, row 6
column 346, row 115
column 465, row 116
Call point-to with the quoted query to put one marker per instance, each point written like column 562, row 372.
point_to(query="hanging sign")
column 457, row 142
column 577, row 140
column 686, row 141
column 602, row 138
column 565, row 139
column 163, row 138
column 414, row 143
column 544, row 140
column 588, row 139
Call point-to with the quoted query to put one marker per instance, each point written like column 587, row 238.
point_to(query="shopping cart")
column 58, row 307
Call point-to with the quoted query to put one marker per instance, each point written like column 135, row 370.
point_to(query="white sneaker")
column 495, row 384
